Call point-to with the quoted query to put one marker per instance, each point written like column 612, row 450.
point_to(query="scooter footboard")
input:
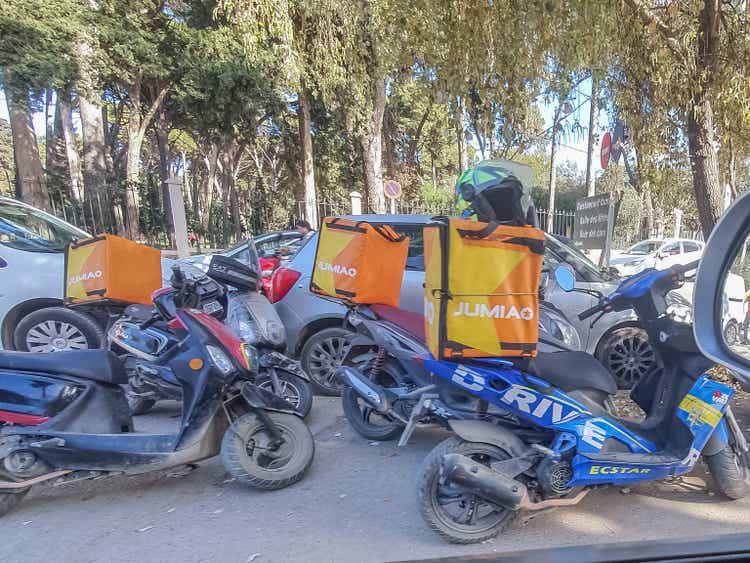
column 701, row 411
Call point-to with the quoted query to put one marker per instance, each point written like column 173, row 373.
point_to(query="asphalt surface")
column 358, row 503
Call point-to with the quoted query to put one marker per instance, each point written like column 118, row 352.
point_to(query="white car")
column 32, row 267
column 659, row 254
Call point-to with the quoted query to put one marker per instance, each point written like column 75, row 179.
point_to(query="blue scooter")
column 474, row 484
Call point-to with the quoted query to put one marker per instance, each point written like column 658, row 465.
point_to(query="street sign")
column 605, row 150
column 593, row 221
column 392, row 189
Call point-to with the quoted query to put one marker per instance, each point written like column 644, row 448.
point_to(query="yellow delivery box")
column 359, row 262
column 112, row 268
column 481, row 288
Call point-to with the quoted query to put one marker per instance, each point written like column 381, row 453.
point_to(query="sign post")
column 392, row 190
column 177, row 205
column 594, row 223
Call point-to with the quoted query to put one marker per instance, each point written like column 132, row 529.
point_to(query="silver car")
column 314, row 324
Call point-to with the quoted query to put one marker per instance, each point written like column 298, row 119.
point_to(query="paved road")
column 356, row 504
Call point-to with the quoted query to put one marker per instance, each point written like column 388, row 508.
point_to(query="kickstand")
column 422, row 406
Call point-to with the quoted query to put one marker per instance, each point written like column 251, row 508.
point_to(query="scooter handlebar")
column 682, row 268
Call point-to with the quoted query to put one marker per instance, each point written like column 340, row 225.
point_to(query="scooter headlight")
column 252, row 360
column 220, row 360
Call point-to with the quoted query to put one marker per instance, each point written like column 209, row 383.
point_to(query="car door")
column 691, row 251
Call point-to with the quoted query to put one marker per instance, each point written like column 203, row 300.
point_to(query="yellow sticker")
column 699, row 411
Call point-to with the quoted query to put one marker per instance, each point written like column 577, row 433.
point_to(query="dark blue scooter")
column 474, row 484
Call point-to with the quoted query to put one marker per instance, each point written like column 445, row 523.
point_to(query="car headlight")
column 559, row 329
column 220, row 359
column 252, row 361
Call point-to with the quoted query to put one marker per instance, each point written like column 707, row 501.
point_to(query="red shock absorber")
column 377, row 363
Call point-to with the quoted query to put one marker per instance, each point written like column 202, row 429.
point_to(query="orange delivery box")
column 108, row 267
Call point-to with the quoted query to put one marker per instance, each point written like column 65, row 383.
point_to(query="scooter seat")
column 571, row 371
column 96, row 365
column 139, row 312
column 410, row 321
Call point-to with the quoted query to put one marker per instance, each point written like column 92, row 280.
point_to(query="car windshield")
column 27, row 228
column 557, row 252
column 643, row 248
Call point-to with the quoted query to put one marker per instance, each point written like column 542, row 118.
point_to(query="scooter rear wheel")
column 367, row 422
column 248, row 455
column 8, row 501
column 457, row 515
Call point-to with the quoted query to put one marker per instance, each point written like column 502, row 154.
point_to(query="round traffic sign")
column 392, row 189
column 604, row 152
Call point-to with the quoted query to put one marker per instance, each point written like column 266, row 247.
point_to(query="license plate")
column 211, row 307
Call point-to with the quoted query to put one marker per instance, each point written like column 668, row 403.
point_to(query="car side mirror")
column 565, row 277
column 722, row 280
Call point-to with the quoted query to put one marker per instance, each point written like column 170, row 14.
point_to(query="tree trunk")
column 593, row 118
column 161, row 131
column 704, row 165
column 49, row 133
column 732, row 165
column 71, row 152
column 308, row 171
column 30, row 180
column 372, row 150
column 463, row 158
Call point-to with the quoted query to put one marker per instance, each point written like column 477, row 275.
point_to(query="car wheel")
column 627, row 354
column 54, row 329
column 321, row 355
column 732, row 333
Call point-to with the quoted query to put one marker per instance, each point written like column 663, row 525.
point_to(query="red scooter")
column 65, row 417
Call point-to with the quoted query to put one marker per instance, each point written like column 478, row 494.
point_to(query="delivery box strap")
column 314, row 286
column 77, row 243
column 535, row 245
column 383, row 230
column 451, row 295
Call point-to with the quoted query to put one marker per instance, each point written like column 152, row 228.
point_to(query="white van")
column 734, row 308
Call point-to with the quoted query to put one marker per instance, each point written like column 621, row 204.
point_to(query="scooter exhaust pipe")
column 490, row 485
column 371, row 392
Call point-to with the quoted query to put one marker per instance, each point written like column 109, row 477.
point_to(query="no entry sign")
column 605, row 150
column 392, row 189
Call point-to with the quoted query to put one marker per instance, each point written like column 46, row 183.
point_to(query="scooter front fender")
column 260, row 399
column 278, row 360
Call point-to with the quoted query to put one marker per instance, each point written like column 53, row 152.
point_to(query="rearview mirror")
column 565, row 277
column 722, row 282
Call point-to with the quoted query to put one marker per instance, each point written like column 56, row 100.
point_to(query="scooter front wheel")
column 730, row 473
column 250, row 455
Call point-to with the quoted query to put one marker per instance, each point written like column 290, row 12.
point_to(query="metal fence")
column 220, row 222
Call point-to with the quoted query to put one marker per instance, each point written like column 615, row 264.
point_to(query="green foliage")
column 38, row 42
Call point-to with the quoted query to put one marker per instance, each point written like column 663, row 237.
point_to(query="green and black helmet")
column 490, row 192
